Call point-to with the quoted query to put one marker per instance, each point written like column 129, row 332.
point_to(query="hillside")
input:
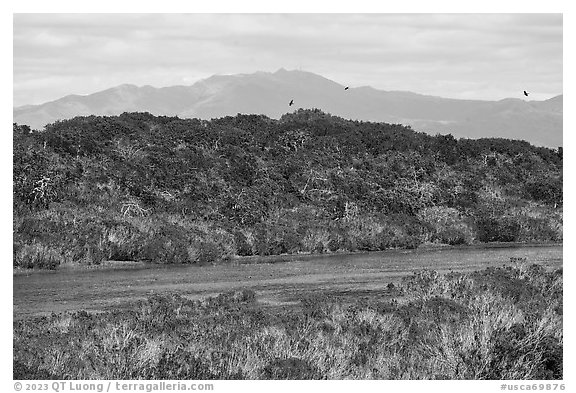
column 171, row 190
column 538, row 122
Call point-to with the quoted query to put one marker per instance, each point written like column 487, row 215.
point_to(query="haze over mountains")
column 538, row 122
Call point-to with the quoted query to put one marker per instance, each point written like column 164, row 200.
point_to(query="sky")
column 467, row 56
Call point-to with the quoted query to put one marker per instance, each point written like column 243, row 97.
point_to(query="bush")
column 538, row 230
column 452, row 237
column 261, row 246
column 446, row 225
column 209, row 253
column 164, row 249
column 37, row 256
column 291, row 368
column 498, row 229
column 123, row 241
column 334, row 243
column 242, row 246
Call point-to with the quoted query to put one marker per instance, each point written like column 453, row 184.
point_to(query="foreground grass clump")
column 503, row 323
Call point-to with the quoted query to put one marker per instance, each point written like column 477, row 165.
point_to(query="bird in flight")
column 291, row 103
column 346, row 88
column 526, row 94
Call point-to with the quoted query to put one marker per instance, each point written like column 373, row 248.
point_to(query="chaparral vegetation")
column 168, row 190
column 499, row 323
column 138, row 187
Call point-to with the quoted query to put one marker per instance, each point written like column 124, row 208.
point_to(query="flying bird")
column 291, row 103
column 346, row 88
column 526, row 94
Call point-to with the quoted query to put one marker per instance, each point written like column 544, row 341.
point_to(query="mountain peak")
column 296, row 73
column 269, row 93
column 125, row 87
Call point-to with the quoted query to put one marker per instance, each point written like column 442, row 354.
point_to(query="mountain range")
column 538, row 122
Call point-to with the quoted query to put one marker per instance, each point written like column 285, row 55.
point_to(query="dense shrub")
column 502, row 229
column 446, row 225
column 209, row 253
column 137, row 186
column 539, row 229
column 37, row 255
column 243, row 248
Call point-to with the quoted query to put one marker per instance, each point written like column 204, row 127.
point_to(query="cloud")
column 487, row 56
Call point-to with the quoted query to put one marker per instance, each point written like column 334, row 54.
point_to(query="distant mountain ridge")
column 538, row 122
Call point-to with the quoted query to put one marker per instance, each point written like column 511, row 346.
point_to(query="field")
column 275, row 280
column 360, row 316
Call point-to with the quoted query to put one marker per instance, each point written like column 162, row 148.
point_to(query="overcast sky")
column 473, row 56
